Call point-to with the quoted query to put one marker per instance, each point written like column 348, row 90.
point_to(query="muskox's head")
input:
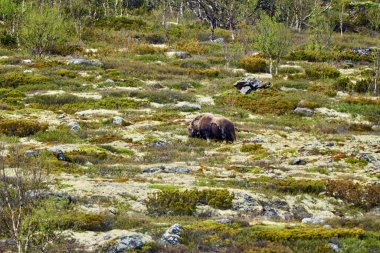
column 193, row 128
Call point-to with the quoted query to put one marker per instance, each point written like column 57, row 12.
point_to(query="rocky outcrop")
column 85, row 62
column 249, row 84
column 172, row 235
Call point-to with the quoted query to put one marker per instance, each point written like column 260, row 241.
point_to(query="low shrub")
column 11, row 96
column 322, row 71
column 15, row 79
column 251, row 148
column 364, row 196
column 261, row 102
column 254, row 64
column 342, row 84
column 20, row 128
column 120, row 22
column 66, row 73
column 175, row 202
column 362, row 86
column 289, row 70
column 307, row 233
column 191, row 47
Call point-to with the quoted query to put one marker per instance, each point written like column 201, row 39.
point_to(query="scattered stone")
column 223, row 221
column 117, row 120
column 180, row 169
column 110, row 81
column 304, row 111
column 269, row 212
column 179, row 54
column 362, row 51
column 27, row 61
column 312, row 220
column 61, row 116
column 74, row 126
column 160, row 144
column 218, row 40
column 154, row 169
column 248, row 84
column 334, row 246
column 172, row 235
column 256, row 140
column 156, row 86
column 58, row 153
column 85, row 62
column 188, row 106
column 128, row 242
column 327, row 226
column 298, row 161
column 30, row 152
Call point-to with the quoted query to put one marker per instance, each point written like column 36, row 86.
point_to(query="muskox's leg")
column 216, row 132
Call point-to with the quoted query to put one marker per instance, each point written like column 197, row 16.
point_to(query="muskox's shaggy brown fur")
column 208, row 126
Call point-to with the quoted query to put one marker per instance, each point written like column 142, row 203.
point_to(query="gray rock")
column 223, row 221
column 312, row 220
column 218, row 40
column 172, row 235
column 58, row 153
column 327, row 226
column 30, row 152
column 304, row 111
column 110, row 81
column 74, row 126
column 298, row 161
column 61, row 116
column 269, row 212
column 85, row 62
column 179, row 54
column 27, row 61
column 160, row 144
column 117, row 120
column 362, row 51
column 248, row 84
column 127, row 242
column 245, row 203
column 334, row 246
column 188, row 106
column 180, row 169
column 256, row 140
column 154, row 169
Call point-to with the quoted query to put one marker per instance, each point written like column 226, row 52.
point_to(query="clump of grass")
column 254, row 63
column 61, row 135
column 322, row 71
column 175, row 202
column 20, row 128
column 15, row 79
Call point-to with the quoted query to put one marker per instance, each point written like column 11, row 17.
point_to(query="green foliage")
column 261, row 102
column 41, row 31
column 306, row 233
column 11, row 96
column 251, row 148
column 20, row 128
column 322, row 71
column 362, row 86
column 121, row 22
column 15, row 79
column 175, row 202
column 60, row 135
column 364, row 196
column 254, row 64
column 342, row 84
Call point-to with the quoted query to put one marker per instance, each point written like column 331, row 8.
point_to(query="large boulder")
column 248, row 84
column 304, row 111
column 128, row 242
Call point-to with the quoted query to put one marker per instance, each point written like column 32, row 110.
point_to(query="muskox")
column 208, row 126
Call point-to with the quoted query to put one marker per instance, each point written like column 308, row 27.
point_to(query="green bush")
column 15, row 79
column 364, row 196
column 251, row 148
column 175, row 202
column 322, row 71
column 362, row 85
column 11, row 96
column 261, row 102
column 342, row 84
column 254, row 64
column 117, row 23
column 20, row 128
